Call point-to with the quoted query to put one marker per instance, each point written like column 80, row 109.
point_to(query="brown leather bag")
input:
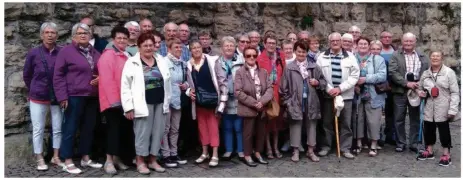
column 381, row 87
column 273, row 109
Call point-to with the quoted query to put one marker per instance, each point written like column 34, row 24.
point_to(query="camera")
column 410, row 76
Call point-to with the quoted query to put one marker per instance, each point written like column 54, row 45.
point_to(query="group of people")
column 250, row 90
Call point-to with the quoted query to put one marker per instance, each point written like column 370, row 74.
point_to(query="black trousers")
column 188, row 138
column 444, row 133
column 119, row 133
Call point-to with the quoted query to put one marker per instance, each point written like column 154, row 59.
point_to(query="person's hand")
column 64, row 104
column 421, row 93
column 192, row 95
column 334, row 92
column 313, row 82
column 259, row 105
column 183, row 86
column 412, row 85
column 361, row 80
column 450, row 116
column 129, row 115
column 357, row 89
column 94, row 82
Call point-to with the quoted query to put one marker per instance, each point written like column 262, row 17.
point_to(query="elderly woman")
column 370, row 103
column 243, row 42
column 253, row 89
column 145, row 94
column 232, row 124
column 301, row 99
column 75, row 82
column 209, row 93
column 375, row 49
column 314, row 48
column 38, row 74
column 347, row 41
column 439, row 86
column 134, row 33
column 272, row 61
column 110, row 64
column 178, row 73
column 292, row 37
column 288, row 50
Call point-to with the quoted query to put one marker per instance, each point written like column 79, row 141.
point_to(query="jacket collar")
column 247, row 68
column 293, row 65
column 344, row 52
column 55, row 50
column 418, row 52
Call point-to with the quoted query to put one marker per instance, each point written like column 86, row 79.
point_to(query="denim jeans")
column 233, row 123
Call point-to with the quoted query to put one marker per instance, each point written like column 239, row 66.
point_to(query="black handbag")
column 50, row 81
column 204, row 98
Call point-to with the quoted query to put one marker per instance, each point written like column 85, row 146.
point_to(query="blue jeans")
column 233, row 122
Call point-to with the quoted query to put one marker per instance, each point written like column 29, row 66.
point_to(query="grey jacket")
column 291, row 90
column 397, row 70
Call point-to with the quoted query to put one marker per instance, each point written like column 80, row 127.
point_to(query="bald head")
column 146, row 25
column 89, row 22
column 408, row 42
column 170, row 31
column 355, row 31
column 184, row 32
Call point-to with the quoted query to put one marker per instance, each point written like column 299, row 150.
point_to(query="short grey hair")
column 347, row 36
column 303, row 32
column 333, row 34
column 227, row 39
column 48, row 25
column 253, row 32
column 286, row 41
column 169, row 23
column 352, row 28
column 376, row 42
column 132, row 23
column 83, row 26
column 409, row 34
column 241, row 35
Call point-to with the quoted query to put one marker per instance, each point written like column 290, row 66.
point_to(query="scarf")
column 303, row 67
column 255, row 78
column 87, row 55
column 312, row 55
column 174, row 60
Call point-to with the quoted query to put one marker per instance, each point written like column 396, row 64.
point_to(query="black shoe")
column 227, row 158
column 399, row 149
column 425, row 155
column 178, row 160
column 242, row 159
column 250, row 163
column 445, row 160
column 168, row 162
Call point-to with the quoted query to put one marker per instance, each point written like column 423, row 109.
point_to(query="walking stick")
column 420, row 133
column 338, row 151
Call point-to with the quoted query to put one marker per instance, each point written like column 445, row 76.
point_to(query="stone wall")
column 437, row 25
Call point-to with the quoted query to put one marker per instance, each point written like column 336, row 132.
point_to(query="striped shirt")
column 336, row 75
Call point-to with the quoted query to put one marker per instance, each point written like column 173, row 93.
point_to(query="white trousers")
column 38, row 117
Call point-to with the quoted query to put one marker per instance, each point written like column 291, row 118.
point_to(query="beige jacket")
column 448, row 100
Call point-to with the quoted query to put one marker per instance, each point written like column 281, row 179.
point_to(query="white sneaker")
column 74, row 171
column 90, row 163
column 285, row 146
column 41, row 166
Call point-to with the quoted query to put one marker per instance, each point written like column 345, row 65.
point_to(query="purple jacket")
column 34, row 73
column 73, row 73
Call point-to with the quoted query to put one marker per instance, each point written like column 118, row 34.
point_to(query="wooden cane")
column 338, row 153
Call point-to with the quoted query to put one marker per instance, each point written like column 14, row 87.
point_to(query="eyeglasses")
column 251, row 55
column 82, row 33
column 247, row 42
column 335, row 41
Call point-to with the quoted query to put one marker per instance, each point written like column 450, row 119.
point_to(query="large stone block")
column 13, row 10
column 15, row 55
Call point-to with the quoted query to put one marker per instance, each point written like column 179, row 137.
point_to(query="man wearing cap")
column 341, row 72
column 405, row 69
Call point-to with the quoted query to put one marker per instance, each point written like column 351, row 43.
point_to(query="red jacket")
column 264, row 62
column 110, row 65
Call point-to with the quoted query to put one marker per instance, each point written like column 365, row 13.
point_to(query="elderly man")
column 386, row 53
column 134, row 30
column 347, row 41
column 405, row 69
column 341, row 72
column 146, row 25
column 206, row 43
column 98, row 43
column 254, row 37
column 355, row 31
column 171, row 31
column 303, row 35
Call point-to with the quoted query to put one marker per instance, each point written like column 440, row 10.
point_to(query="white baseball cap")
column 413, row 98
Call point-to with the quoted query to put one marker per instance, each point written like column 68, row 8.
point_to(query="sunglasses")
column 247, row 42
column 249, row 56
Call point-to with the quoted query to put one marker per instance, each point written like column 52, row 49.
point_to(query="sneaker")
column 348, row 155
column 445, row 160
column 41, row 166
column 425, row 155
column 323, row 152
column 90, row 163
column 178, row 160
column 168, row 162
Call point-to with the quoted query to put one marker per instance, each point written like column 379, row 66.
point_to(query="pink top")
column 110, row 67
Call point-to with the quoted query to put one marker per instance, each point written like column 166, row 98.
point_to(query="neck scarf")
column 255, row 78
column 303, row 68
column 174, row 60
column 313, row 55
column 87, row 55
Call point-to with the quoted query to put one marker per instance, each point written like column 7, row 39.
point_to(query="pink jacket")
column 111, row 64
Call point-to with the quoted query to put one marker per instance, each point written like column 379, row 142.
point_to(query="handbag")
column 53, row 100
column 273, row 109
column 204, row 98
column 380, row 87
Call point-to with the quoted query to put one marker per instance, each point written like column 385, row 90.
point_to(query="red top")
column 264, row 62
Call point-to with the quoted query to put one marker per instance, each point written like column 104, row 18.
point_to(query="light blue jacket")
column 176, row 67
column 376, row 73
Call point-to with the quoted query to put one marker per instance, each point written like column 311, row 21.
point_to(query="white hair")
column 170, row 23
column 241, row 35
column 227, row 39
column 132, row 23
column 48, row 25
column 334, row 34
column 303, row 32
column 83, row 26
column 253, row 32
column 410, row 35
column 352, row 28
column 347, row 36
column 376, row 42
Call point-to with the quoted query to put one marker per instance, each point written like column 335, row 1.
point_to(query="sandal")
column 313, row 157
column 74, row 169
column 142, row 169
column 56, row 161
column 214, row 162
column 159, row 169
column 109, row 168
column 295, row 157
column 270, row 155
column 278, row 154
column 202, row 158
column 41, row 166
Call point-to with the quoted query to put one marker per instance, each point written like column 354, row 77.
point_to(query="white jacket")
column 350, row 72
column 133, row 85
